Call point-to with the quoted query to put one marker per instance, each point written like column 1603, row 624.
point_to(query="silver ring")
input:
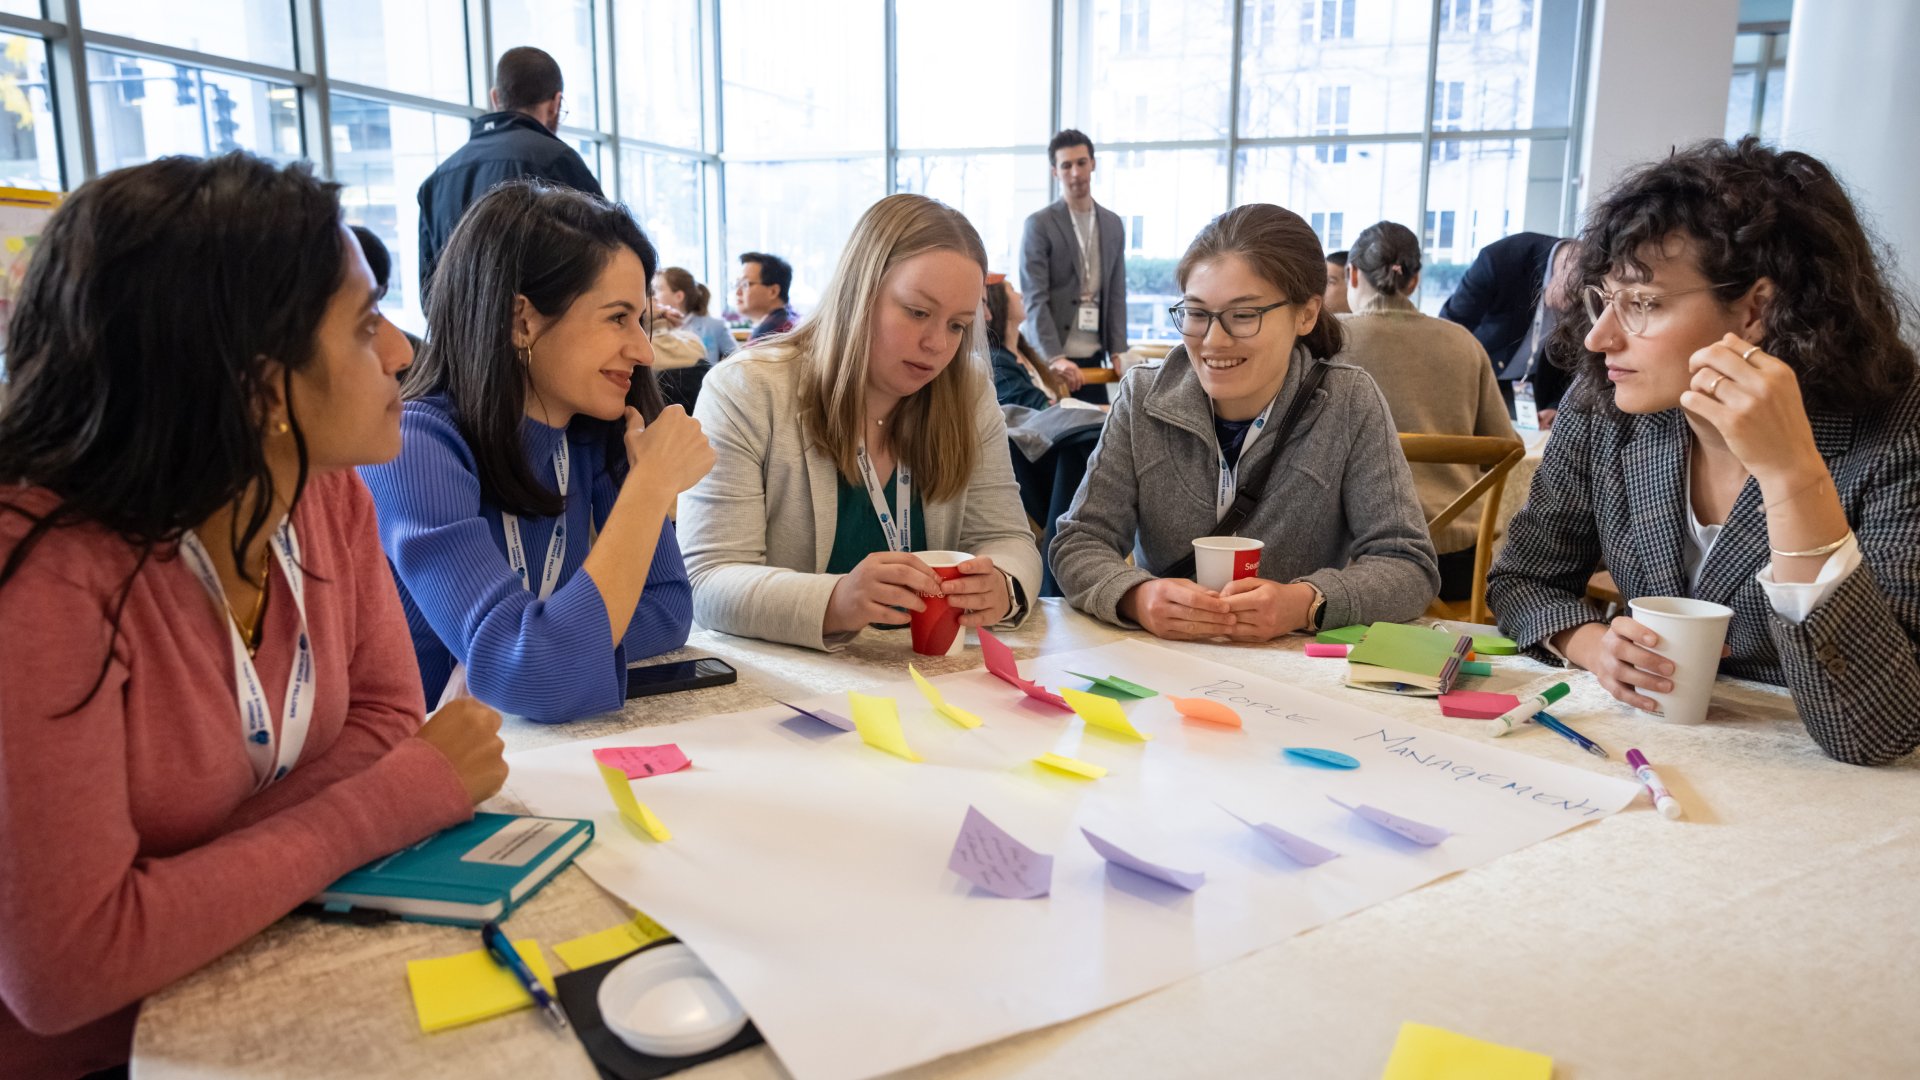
column 1714, row 385
column 1751, row 349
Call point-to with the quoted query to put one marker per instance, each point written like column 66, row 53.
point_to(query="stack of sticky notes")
column 1399, row 659
column 1429, row 1053
column 456, row 990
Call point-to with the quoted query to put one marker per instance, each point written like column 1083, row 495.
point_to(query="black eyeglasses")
column 1238, row 322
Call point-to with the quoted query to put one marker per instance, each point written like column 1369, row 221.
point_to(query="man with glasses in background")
column 513, row 142
column 1073, row 272
column 761, row 294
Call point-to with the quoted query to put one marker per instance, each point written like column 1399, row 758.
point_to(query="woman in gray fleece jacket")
column 1345, row 541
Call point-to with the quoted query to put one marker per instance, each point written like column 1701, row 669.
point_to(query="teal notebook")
column 474, row 873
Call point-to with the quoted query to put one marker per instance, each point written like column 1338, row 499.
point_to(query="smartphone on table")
column 645, row 680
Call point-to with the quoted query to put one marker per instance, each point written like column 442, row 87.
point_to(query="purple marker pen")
column 1662, row 798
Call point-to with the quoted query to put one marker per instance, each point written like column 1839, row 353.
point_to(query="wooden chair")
column 1498, row 457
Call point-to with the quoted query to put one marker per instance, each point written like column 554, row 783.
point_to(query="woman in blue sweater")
column 522, row 443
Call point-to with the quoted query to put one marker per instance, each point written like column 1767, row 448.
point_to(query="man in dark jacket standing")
column 515, row 141
column 1497, row 299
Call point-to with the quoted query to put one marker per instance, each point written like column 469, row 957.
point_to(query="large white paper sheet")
column 810, row 871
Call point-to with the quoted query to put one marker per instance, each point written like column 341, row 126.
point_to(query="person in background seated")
column 524, row 443
column 1434, row 375
column 380, row 261
column 1050, row 447
column 208, row 703
column 866, row 435
column 682, row 303
column 1745, row 430
column 1337, row 303
column 1344, row 538
column 763, row 294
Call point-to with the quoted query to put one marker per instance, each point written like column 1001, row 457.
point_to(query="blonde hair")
column 933, row 430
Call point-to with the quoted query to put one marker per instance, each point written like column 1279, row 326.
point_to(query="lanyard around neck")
column 271, row 755
column 556, row 544
column 898, row 527
column 1230, row 474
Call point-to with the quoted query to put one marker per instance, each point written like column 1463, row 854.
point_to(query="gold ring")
column 1751, row 349
column 1714, row 385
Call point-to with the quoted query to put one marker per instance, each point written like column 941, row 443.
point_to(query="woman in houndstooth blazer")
column 1745, row 429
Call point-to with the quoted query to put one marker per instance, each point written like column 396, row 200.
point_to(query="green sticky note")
column 1489, row 645
column 1475, row 667
column 1118, row 685
column 1398, row 647
column 1346, row 635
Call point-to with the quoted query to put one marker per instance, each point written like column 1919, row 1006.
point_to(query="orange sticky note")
column 1212, row 712
column 878, row 720
column 1102, row 712
column 632, row 810
column 1086, row 770
column 939, row 702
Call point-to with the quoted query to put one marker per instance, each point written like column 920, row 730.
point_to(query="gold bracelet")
column 1802, row 490
column 1823, row 549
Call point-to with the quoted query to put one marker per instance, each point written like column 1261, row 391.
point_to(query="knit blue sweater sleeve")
column 665, row 615
column 548, row 660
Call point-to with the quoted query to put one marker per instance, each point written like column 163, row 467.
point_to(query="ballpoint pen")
column 1560, row 728
column 508, row 957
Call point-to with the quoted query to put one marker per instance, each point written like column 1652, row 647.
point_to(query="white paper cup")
column 1218, row 560
column 1691, row 633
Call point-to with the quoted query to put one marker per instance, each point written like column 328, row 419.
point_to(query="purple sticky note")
column 1298, row 848
column 1185, row 879
column 1394, row 823
column 831, row 719
column 991, row 858
column 642, row 761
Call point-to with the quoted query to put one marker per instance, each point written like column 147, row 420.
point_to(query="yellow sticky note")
column 1429, row 1053
column 878, row 720
column 939, row 702
column 584, row 952
column 456, row 990
column 632, row 810
column 1102, row 712
column 1072, row 766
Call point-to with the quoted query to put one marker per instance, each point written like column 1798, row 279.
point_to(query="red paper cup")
column 935, row 629
column 1218, row 560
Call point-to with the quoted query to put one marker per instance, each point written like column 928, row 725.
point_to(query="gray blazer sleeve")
column 725, row 522
column 1851, row 664
column 1538, row 586
column 1113, row 290
column 1393, row 573
column 1089, row 551
column 1036, row 287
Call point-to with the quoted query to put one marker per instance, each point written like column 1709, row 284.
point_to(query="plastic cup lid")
column 665, row 1002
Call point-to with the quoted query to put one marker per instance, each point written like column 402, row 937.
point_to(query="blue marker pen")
column 508, row 957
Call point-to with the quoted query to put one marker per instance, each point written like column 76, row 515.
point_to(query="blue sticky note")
column 1313, row 755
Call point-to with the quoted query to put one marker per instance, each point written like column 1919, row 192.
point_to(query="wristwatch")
column 1016, row 598
column 1315, row 609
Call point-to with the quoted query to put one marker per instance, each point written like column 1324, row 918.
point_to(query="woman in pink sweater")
column 209, row 708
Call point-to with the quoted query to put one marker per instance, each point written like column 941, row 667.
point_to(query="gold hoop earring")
column 525, row 354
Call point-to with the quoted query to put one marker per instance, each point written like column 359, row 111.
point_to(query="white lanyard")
column 898, row 527
column 556, row 544
column 271, row 757
column 1230, row 474
column 1087, row 237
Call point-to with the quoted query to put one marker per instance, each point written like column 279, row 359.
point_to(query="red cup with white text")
column 1218, row 560
column 937, row 629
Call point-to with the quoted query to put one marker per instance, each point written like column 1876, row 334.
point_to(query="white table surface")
column 1771, row 934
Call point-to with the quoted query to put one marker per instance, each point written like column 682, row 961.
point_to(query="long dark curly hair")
column 1754, row 212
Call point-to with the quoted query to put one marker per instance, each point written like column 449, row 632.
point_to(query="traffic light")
column 224, row 127
column 182, row 87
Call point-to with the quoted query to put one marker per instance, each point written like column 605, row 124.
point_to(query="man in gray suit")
column 1073, row 271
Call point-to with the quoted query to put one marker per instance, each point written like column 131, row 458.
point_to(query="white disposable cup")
column 1691, row 634
column 1218, row 560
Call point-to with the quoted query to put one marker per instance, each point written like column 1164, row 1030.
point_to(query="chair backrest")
column 1498, row 457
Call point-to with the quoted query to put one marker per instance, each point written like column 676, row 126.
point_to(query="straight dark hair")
column 548, row 243
column 138, row 352
column 998, row 306
column 525, row 77
column 774, row 271
column 1751, row 211
column 1284, row 250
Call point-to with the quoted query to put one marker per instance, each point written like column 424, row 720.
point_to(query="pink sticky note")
column 1113, row 853
column 1316, row 649
column 991, row 858
column 1298, row 848
column 642, row 761
column 1001, row 664
column 1428, row 835
column 1477, row 704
